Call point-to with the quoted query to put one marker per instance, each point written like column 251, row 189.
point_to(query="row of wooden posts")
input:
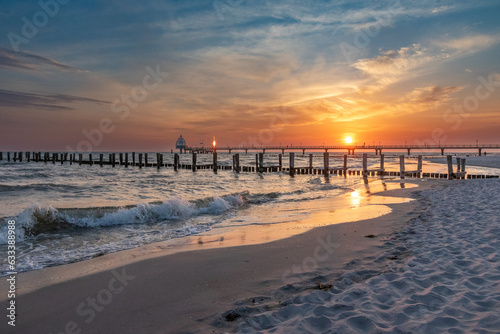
column 143, row 161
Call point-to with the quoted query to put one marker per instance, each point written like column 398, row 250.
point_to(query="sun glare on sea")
column 348, row 140
column 355, row 198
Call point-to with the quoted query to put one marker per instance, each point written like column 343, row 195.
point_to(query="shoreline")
column 177, row 289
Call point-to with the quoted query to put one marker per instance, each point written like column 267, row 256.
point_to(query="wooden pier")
column 142, row 160
column 350, row 148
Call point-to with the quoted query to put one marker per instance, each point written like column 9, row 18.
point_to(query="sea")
column 69, row 213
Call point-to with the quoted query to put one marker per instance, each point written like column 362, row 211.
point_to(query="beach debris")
column 325, row 287
column 370, row 236
column 232, row 316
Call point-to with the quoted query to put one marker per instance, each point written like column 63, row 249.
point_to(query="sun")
column 348, row 140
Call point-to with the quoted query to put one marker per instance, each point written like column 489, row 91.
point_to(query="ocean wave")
column 39, row 219
column 38, row 187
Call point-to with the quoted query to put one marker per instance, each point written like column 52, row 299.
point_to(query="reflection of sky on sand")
column 288, row 219
column 355, row 198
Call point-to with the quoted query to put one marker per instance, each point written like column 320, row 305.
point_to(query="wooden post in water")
column 310, row 163
column 91, row 162
column 326, row 164
column 261, row 162
column 193, row 162
column 236, row 165
column 449, row 160
column 1, row 155
column 292, row 164
column 365, row 164
column 345, row 165
column 176, row 161
column 382, row 163
column 8, row 156
column 419, row 165
column 126, row 160
column 463, row 165
column 256, row 162
column 113, row 160
column 280, row 161
column 28, row 156
column 158, row 161
column 54, row 158
column 20, row 156
column 140, row 160
column 133, row 158
column 146, row 159
column 459, row 165
column 215, row 161
column 402, row 166
column 121, row 159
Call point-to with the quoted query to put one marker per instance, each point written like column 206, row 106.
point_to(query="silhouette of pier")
column 350, row 148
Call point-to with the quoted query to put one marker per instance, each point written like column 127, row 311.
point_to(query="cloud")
column 43, row 101
column 395, row 62
column 29, row 61
column 441, row 9
column 469, row 44
column 432, row 94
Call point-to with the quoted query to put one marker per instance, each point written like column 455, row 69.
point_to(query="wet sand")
column 185, row 285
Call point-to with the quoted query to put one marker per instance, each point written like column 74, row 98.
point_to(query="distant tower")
column 181, row 144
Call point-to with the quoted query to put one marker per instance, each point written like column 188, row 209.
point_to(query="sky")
column 134, row 75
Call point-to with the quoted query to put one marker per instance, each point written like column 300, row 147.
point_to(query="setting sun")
column 348, row 140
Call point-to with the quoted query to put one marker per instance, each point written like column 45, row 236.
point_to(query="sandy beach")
column 150, row 290
column 230, row 166
column 445, row 276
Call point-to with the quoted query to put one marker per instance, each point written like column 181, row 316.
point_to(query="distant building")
column 181, row 144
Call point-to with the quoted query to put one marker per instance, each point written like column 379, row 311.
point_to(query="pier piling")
column 215, row 161
column 449, row 160
column 193, row 162
column 237, row 162
column 345, row 165
column 326, row 164
column 176, row 161
column 402, row 166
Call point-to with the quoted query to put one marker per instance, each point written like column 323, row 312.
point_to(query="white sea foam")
column 173, row 209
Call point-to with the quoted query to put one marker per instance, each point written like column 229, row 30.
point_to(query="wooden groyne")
column 144, row 160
